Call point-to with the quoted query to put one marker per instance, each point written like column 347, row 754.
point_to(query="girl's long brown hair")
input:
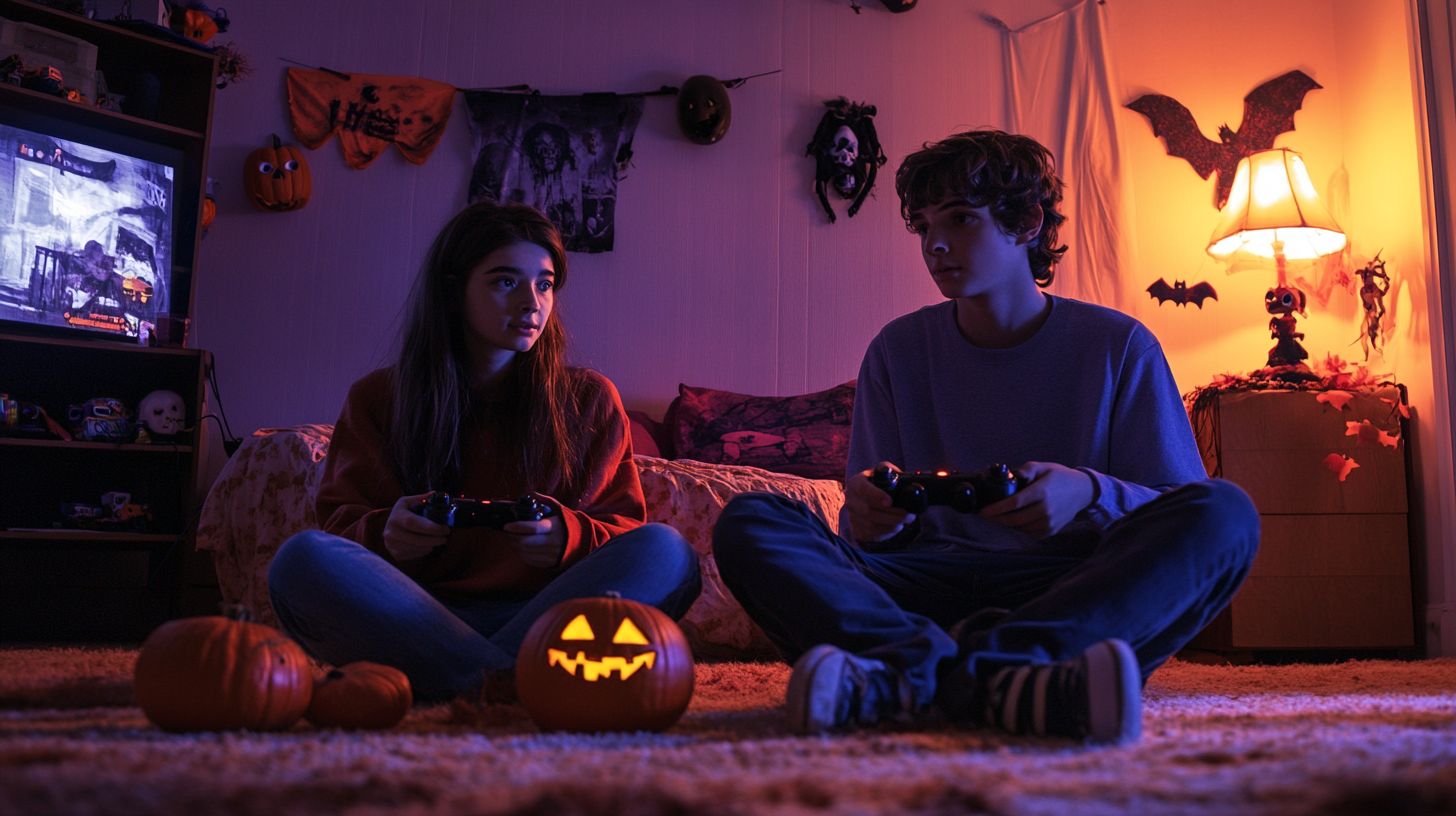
column 540, row 425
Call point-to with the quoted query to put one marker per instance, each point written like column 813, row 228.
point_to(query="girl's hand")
column 541, row 544
column 409, row 535
column 1053, row 494
column 871, row 518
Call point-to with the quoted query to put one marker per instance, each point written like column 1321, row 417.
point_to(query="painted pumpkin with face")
column 276, row 178
column 604, row 664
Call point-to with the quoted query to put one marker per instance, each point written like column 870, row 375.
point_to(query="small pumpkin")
column 604, row 664
column 360, row 695
column 218, row 674
column 209, row 211
column 192, row 24
column 276, row 178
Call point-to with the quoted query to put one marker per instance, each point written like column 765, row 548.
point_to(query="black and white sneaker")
column 831, row 688
column 1096, row 696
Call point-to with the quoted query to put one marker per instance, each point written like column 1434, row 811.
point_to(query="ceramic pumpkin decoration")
column 219, row 674
column 360, row 695
column 604, row 664
column 276, row 178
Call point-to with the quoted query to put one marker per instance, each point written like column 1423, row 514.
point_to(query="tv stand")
column 60, row 584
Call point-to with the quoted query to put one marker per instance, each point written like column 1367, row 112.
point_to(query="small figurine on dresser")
column 1287, row 354
column 161, row 415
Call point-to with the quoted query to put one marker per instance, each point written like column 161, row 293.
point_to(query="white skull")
column 162, row 412
column 845, row 147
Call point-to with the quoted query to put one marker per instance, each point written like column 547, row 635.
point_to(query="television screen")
column 85, row 232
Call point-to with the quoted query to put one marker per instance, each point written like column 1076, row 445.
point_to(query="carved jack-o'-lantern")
column 276, row 178
column 604, row 664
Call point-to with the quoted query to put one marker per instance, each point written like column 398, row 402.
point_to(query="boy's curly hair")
column 1011, row 174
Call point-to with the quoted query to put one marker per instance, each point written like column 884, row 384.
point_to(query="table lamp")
column 1274, row 212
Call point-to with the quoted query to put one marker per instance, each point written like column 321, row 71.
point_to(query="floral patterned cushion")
column 805, row 435
column 266, row 492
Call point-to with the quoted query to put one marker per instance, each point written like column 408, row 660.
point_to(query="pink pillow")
column 805, row 435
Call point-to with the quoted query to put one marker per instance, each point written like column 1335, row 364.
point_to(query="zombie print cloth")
column 369, row 111
column 560, row 154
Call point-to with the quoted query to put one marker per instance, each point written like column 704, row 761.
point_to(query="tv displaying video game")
column 86, row 229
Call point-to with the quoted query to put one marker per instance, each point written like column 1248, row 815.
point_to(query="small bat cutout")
column 1181, row 293
column 1268, row 111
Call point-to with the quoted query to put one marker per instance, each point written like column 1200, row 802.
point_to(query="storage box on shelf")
column 1334, row 569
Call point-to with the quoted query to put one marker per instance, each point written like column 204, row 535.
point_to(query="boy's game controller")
column 962, row 492
column 462, row 513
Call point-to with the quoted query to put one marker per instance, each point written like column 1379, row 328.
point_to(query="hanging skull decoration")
column 847, row 153
column 161, row 414
column 703, row 110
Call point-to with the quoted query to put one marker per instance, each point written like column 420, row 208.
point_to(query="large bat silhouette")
column 1181, row 293
column 1268, row 111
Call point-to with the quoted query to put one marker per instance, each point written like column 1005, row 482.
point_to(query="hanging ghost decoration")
column 847, row 153
column 703, row 109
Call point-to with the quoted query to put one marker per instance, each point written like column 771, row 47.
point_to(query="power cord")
column 230, row 443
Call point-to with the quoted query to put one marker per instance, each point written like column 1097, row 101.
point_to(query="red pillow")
column 805, row 435
column 644, row 434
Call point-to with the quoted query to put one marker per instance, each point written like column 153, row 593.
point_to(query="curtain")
column 1060, row 91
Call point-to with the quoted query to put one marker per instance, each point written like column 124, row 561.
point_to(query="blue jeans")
column 343, row 603
column 1154, row 578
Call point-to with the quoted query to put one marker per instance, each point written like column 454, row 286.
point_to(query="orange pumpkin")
column 276, row 178
column 217, row 674
column 604, row 664
column 360, row 695
column 192, row 24
column 209, row 211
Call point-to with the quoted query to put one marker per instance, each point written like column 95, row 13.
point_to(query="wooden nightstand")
column 1334, row 563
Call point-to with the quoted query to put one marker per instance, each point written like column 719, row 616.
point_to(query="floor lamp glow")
column 1274, row 212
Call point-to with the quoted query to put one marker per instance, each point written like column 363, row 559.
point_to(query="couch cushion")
column 805, row 435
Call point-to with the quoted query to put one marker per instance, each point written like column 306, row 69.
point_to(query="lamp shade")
column 1272, row 200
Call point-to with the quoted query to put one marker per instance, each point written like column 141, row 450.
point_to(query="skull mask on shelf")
column 163, row 413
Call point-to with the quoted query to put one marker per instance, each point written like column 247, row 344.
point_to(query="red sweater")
column 359, row 489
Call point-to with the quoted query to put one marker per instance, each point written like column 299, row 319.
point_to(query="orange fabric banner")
column 369, row 111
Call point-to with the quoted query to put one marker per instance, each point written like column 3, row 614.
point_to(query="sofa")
column 265, row 493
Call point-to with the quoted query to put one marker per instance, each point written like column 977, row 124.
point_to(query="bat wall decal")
column 1181, row 293
column 1268, row 111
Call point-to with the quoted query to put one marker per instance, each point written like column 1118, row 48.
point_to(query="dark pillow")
column 806, row 435
column 646, row 432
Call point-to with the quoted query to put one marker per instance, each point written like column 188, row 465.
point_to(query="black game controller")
column 962, row 492
column 460, row 512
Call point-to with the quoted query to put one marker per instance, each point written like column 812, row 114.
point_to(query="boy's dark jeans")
column 1154, row 580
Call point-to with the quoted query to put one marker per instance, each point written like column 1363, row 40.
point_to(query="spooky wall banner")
column 560, row 154
column 368, row 111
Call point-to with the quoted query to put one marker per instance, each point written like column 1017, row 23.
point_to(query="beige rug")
column 1355, row 738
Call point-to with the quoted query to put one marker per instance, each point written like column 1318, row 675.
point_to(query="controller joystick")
column 462, row 513
column 962, row 492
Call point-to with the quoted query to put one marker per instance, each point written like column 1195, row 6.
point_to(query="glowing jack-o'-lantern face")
column 593, row 670
column 604, row 664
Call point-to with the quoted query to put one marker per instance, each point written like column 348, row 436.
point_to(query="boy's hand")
column 409, row 535
column 541, row 544
column 1053, row 494
column 871, row 518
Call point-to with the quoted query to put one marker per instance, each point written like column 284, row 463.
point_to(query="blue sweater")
column 1090, row 390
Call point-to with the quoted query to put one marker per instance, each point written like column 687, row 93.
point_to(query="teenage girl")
column 479, row 403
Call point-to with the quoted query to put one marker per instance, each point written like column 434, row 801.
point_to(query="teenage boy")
column 1046, row 612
